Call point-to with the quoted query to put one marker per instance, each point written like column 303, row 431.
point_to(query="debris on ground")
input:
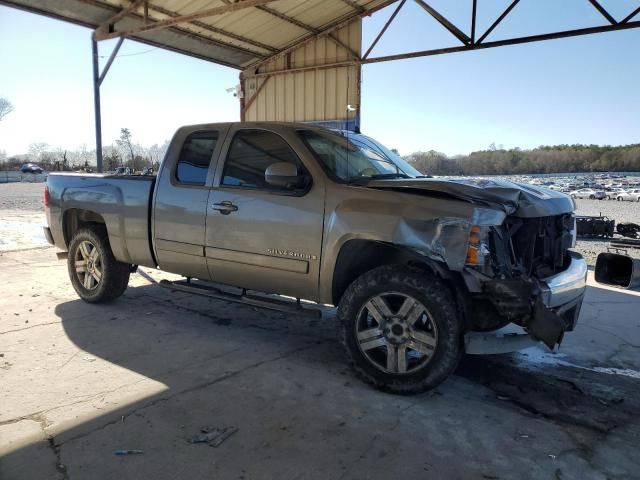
column 128, row 452
column 213, row 436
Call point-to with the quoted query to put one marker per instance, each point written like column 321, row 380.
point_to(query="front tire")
column 95, row 274
column 400, row 329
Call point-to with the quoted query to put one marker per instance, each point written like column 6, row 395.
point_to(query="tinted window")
column 251, row 152
column 195, row 157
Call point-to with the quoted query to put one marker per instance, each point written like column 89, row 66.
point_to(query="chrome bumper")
column 567, row 286
column 558, row 307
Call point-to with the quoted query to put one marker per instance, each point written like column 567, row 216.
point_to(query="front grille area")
column 539, row 245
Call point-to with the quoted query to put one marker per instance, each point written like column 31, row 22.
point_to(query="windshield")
column 356, row 157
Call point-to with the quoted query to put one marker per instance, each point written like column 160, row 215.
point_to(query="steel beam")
column 121, row 14
column 509, row 41
column 110, row 61
column 209, row 12
column 455, row 31
column 96, row 103
column 332, row 27
column 603, row 11
column 384, row 29
column 631, row 15
column 498, row 20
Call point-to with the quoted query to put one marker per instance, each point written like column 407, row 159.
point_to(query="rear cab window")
column 195, row 158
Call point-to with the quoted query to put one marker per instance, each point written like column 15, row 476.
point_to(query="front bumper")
column 558, row 306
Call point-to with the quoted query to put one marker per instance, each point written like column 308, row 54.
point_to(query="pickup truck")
column 414, row 265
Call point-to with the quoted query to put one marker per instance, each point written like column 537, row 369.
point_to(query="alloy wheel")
column 396, row 333
column 88, row 265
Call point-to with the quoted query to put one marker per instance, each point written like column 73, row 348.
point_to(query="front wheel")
column 592, row 197
column 95, row 274
column 400, row 329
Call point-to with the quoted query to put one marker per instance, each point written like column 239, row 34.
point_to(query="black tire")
column 114, row 275
column 592, row 197
column 439, row 312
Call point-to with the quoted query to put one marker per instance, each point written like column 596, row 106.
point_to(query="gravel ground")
column 618, row 211
column 21, row 196
column 27, row 197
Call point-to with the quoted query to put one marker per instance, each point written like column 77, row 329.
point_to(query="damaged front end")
column 527, row 276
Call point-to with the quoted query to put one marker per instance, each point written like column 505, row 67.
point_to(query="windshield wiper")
column 381, row 176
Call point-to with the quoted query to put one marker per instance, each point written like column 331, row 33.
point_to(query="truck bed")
column 122, row 201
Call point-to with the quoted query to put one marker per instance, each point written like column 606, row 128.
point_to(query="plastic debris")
column 551, row 456
column 89, row 359
column 128, row 452
column 213, row 436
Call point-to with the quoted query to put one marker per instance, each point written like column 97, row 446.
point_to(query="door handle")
column 225, row 207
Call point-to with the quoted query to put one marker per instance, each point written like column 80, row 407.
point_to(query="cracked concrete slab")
column 150, row 370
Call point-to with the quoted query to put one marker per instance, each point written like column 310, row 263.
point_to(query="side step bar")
column 255, row 300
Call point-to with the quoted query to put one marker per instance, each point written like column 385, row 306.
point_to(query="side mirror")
column 283, row 174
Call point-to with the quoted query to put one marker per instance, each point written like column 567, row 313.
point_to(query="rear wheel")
column 400, row 329
column 592, row 197
column 95, row 274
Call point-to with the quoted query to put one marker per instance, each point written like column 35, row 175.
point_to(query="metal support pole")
column 96, row 104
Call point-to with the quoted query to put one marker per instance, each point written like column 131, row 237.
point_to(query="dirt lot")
column 148, row 372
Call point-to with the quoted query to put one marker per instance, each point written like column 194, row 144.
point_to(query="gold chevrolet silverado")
column 421, row 270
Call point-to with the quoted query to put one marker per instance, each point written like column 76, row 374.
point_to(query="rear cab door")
column 270, row 239
column 181, row 195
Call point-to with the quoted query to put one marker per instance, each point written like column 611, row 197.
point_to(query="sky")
column 577, row 90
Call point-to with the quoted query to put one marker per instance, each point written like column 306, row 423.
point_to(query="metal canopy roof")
column 236, row 33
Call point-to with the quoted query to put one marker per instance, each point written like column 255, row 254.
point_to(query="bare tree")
column 5, row 107
column 124, row 142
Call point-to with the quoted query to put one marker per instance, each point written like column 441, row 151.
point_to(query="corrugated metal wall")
column 312, row 95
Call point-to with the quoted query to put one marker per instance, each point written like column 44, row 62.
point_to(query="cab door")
column 259, row 236
column 180, row 204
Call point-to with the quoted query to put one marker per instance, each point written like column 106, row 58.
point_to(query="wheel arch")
column 358, row 256
column 73, row 219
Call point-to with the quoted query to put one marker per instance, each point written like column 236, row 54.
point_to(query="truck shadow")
column 191, row 344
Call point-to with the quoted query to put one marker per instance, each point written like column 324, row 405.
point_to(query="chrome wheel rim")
column 396, row 333
column 88, row 265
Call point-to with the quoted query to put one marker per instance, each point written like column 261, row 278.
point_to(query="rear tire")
column 400, row 329
column 95, row 274
column 592, row 197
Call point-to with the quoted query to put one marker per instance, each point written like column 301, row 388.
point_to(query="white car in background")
column 588, row 193
column 613, row 193
column 632, row 195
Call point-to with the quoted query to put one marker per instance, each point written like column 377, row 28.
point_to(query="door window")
column 251, row 152
column 195, row 158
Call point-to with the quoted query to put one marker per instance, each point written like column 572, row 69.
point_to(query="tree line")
column 544, row 159
column 123, row 152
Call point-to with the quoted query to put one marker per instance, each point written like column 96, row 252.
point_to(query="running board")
column 255, row 300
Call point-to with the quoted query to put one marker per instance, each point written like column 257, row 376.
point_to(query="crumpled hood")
column 515, row 199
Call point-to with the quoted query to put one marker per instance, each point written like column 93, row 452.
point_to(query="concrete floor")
column 80, row 381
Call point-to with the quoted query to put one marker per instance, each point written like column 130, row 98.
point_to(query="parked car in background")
column 123, row 171
column 31, row 168
column 632, row 195
column 588, row 193
column 612, row 194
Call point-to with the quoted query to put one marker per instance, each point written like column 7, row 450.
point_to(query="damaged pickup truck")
column 416, row 266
